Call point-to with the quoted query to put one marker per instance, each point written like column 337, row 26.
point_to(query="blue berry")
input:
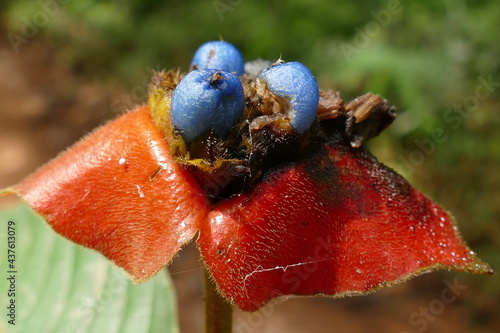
column 204, row 99
column 219, row 55
column 294, row 81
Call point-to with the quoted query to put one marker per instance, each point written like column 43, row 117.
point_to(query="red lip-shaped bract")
column 118, row 191
column 339, row 223
column 336, row 223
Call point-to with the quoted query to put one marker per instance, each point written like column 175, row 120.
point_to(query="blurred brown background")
column 437, row 61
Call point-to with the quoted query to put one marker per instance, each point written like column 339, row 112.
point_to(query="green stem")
column 218, row 312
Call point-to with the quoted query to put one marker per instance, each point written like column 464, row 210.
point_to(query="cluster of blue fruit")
column 211, row 95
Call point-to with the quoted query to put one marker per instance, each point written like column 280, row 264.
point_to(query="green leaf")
column 61, row 287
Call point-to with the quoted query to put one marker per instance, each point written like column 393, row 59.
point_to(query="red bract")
column 118, row 191
column 339, row 223
column 334, row 222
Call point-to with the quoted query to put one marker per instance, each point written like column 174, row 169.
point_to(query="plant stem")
column 218, row 312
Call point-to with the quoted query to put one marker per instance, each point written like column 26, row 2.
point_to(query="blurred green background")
column 436, row 61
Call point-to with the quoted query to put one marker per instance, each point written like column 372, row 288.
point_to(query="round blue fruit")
column 295, row 82
column 205, row 99
column 219, row 55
